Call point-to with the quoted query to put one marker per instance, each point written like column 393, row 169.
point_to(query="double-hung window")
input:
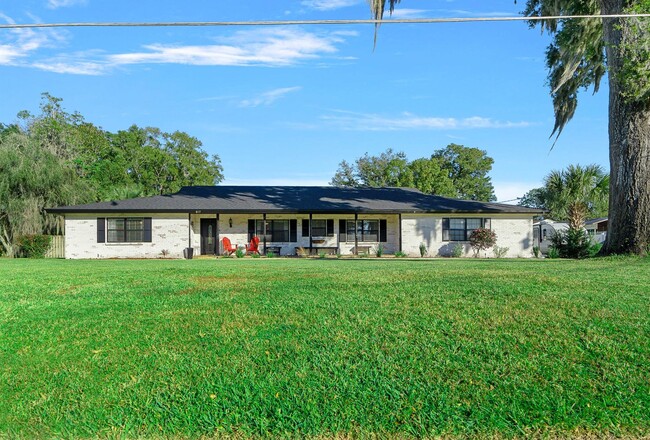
column 127, row 229
column 276, row 230
column 319, row 228
column 367, row 230
column 459, row 229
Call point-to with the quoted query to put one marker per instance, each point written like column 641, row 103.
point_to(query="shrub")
column 271, row 255
column 301, row 252
column 482, row 239
column 34, row 246
column 240, row 253
column 423, row 250
column 594, row 249
column 500, row 252
column 553, row 252
column 400, row 254
column 572, row 243
column 322, row 255
column 379, row 250
column 254, row 255
column 338, row 255
column 536, row 251
column 457, row 251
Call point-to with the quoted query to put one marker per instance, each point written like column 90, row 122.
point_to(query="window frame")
column 122, row 234
column 362, row 231
column 448, row 231
column 271, row 230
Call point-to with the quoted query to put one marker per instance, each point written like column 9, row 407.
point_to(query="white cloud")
column 269, row 47
column 403, row 13
column 268, row 98
column 54, row 4
column 407, row 121
column 328, row 5
column 18, row 44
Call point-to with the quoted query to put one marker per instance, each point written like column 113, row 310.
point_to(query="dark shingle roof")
column 295, row 199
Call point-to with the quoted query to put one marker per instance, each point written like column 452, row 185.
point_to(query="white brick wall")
column 168, row 232
column 513, row 231
column 171, row 232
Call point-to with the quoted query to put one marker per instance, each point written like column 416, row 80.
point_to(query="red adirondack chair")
column 228, row 247
column 253, row 246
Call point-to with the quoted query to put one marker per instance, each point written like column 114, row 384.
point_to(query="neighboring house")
column 543, row 230
column 597, row 229
column 318, row 219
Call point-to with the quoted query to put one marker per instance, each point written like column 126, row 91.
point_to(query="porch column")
column 400, row 231
column 216, row 233
column 356, row 235
column 189, row 230
column 311, row 241
column 264, row 222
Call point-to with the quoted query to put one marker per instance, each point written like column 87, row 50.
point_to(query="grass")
column 311, row 347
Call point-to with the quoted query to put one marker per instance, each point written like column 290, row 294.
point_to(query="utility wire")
column 313, row 22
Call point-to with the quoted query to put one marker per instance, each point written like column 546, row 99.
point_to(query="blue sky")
column 284, row 105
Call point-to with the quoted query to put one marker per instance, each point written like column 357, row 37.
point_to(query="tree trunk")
column 629, row 152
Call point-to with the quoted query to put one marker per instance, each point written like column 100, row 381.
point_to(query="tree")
column 535, row 198
column 387, row 169
column 468, row 169
column 31, row 179
column 581, row 52
column 577, row 192
column 430, row 178
column 455, row 171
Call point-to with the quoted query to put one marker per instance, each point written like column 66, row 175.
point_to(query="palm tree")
column 577, row 192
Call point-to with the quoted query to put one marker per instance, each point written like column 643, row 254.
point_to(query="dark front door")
column 208, row 236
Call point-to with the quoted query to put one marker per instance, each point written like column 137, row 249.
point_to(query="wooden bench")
column 275, row 250
column 316, row 250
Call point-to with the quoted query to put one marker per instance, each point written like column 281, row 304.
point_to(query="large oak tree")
column 582, row 51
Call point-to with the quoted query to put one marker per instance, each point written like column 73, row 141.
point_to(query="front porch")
column 285, row 234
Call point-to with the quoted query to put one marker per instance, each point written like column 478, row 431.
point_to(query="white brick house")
column 318, row 219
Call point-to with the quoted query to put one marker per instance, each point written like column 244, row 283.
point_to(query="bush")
column 500, row 252
column 457, row 251
column 536, row 251
column 379, row 250
column 34, row 246
column 240, row 253
column 553, row 252
column 400, row 254
column 594, row 249
column 482, row 239
column 302, row 252
column 572, row 243
column 423, row 250
column 322, row 255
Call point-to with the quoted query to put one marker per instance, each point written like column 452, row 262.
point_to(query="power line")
column 314, row 22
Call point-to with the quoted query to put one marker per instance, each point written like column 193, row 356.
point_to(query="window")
column 319, row 228
column 367, row 230
column 459, row 229
column 128, row 230
column 276, row 230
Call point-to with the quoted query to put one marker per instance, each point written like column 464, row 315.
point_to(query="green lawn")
column 297, row 347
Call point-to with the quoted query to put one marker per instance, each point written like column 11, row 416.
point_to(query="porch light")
column 230, row 222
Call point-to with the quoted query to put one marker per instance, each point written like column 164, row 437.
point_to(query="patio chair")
column 228, row 247
column 253, row 246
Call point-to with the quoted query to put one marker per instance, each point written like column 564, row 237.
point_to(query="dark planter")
column 188, row 253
